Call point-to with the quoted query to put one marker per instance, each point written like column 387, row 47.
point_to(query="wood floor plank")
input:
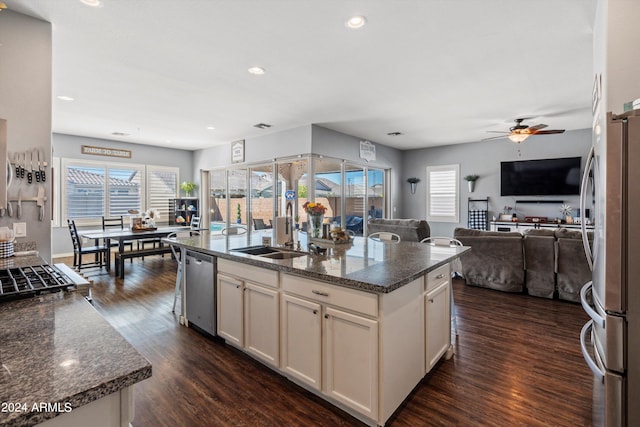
column 517, row 362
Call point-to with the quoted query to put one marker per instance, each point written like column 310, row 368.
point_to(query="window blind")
column 443, row 193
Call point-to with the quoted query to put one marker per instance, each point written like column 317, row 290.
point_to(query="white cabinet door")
column 438, row 323
column 261, row 323
column 229, row 307
column 301, row 340
column 352, row 360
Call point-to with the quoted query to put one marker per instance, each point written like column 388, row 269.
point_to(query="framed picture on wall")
column 237, row 151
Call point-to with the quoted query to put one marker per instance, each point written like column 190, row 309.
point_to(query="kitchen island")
column 64, row 365
column 359, row 326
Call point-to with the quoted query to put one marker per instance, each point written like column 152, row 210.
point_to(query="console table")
column 521, row 227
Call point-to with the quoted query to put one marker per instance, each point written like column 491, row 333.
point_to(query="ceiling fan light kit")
column 520, row 132
column 518, row 137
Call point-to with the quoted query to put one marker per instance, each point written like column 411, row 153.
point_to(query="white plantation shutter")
column 95, row 189
column 92, row 189
column 85, row 191
column 162, row 187
column 442, row 193
column 125, row 190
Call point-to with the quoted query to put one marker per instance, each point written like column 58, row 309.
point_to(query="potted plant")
column 188, row 187
column 239, row 214
column 412, row 183
column 471, row 180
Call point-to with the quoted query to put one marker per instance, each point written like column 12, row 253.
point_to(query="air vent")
column 394, row 133
column 262, row 126
column 119, row 134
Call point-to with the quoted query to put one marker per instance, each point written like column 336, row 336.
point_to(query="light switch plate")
column 20, row 229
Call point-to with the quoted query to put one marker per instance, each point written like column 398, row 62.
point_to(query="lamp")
column 413, row 182
column 518, row 137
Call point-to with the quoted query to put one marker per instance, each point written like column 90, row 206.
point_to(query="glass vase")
column 315, row 221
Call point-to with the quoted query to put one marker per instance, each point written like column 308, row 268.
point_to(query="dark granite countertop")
column 363, row 264
column 56, row 348
column 20, row 261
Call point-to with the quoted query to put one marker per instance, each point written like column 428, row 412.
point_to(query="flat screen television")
column 544, row 177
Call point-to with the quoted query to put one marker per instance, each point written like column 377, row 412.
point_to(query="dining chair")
column 258, row 224
column 116, row 223
column 100, row 252
column 195, row 223
column 176, row 255
column 456, row 267
column 234, row 230
column 384, row 237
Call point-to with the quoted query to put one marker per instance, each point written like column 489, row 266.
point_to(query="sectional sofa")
column 544, row 263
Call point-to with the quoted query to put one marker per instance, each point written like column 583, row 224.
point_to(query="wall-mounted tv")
column 544, row 177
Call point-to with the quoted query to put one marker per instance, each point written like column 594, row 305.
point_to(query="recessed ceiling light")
column 356, row 22
column 92, row 3
column 65, row 98
column 211, row 128
column 262, row 126
column 256, row 71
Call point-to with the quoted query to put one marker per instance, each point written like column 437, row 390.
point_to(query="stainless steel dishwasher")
column 200, row 290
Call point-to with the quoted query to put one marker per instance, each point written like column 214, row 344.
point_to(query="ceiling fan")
column 520, row 132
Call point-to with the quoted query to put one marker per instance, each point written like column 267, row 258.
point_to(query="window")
column 162, row 185
column 443, row 198
column 91, row 190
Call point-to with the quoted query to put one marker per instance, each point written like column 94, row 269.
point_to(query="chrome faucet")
column 289, row 225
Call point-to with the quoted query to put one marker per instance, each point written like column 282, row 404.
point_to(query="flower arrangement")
column 150, row 216
column 471, row 178
column 152, row 213
column 507, row 210
column 413, row 180
column 313, row 208
column 566, row 210
column 188, row 187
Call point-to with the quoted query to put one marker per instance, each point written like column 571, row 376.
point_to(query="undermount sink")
column 268, row 252
column 256, row 250
column 283, row 255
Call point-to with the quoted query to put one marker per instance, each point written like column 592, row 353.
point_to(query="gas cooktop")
column 24, row 282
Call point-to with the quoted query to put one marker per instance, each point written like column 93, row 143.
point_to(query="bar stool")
column 176, row 254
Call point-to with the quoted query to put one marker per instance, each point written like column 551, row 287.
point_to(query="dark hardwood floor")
column 517, row 362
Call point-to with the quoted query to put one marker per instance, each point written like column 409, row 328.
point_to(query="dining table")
column 128, row 234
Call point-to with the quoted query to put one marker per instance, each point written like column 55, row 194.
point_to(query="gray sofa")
column 545, row 262
column 496, row 259
column 411, row 230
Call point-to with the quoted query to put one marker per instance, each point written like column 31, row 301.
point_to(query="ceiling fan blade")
column 548, row 132
column 498, row 131
column 537, row 127
column 494, row 137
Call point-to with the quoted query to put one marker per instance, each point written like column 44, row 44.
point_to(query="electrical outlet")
column 20, row 229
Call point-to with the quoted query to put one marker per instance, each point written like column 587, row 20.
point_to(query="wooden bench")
column 121, row 257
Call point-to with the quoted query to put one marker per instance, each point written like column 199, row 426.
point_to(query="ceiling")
column 441, row 72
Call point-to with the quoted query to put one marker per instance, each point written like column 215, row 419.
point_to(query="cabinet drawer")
column 359, row 301
column 437, row 276
column 249, row 272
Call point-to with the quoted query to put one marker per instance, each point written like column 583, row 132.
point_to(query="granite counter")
column 362, row 264
column 57, row 350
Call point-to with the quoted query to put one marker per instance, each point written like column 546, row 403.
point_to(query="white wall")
column 263, row 148
column 483, row 158
column 25, row 102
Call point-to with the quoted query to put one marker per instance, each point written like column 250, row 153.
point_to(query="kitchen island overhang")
column 360, row 326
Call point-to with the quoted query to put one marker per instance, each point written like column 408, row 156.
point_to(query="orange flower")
column 313, row 208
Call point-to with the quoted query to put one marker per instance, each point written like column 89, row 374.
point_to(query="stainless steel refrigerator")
column 611, row 338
